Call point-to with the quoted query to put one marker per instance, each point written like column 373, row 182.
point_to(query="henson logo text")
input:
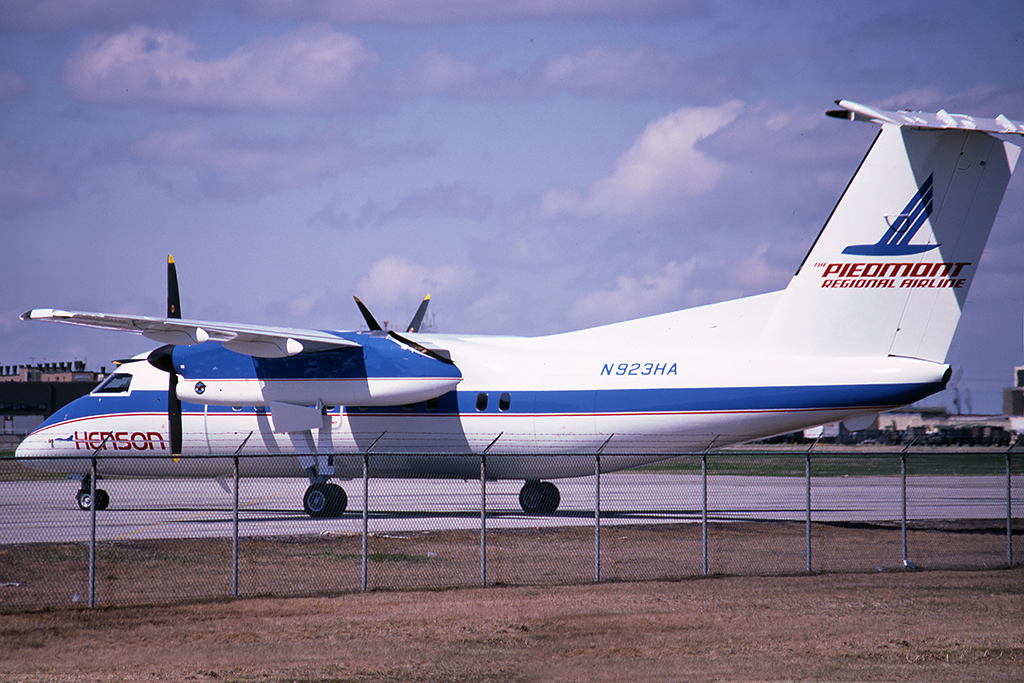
column 120, row 441
column 892, row 275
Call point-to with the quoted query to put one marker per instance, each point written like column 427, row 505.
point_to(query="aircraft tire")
column 324, row 501
column 539, row 498
column 102, row 499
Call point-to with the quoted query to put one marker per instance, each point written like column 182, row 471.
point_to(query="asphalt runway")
column 46, row 511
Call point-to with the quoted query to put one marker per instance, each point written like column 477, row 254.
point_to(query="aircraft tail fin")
column 890, row 271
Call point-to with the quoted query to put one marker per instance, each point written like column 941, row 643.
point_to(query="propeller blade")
column 118, row 362
column 174, row 414
column 371, row 322
column 436, row 355
column 417, row 320
column 173, row 299
column 162, row 358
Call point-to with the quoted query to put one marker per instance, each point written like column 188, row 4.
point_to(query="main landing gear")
column 84, row 496
column 539, row 498
column 324, row 500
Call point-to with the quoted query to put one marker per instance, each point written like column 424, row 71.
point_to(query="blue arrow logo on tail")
column 895, row 240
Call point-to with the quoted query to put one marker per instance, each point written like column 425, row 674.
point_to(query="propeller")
column 371, row 322
column 173, row 402
column 417, row 319
column 162, row 359
column 414, row 325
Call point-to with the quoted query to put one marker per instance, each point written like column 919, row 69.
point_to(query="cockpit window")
column 117, row 383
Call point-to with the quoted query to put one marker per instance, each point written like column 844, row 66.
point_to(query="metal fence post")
column 704, row 510
column 597, row 517
column 234, row 535
column 1009, row 514
column 92, row 532
column 903, row 503
column 483, row 519
column 366, row 518
column 807, row 525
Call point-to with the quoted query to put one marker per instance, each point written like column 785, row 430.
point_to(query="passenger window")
column 481, row 402
column 504, row 401
column 117, row 383
column 431, row 405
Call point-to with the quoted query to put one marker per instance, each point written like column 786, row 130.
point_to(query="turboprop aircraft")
column 863, row 326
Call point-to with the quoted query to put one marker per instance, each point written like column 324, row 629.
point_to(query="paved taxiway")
column 46, row 511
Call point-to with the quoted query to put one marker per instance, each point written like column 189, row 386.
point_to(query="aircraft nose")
column 30, row 446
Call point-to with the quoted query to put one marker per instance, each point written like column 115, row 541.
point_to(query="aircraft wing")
column 254, row 340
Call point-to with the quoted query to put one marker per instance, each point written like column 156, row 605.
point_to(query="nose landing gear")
column 84, row 496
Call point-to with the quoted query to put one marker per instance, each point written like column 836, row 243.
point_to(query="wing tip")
column 44, row 314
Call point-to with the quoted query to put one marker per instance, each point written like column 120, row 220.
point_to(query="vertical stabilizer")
column 890, row 271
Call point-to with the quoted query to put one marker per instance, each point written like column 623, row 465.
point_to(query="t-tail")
column 889, row 273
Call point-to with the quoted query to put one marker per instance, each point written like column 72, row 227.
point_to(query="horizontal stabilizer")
column 941, row 120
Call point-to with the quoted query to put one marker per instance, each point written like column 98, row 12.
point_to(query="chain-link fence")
column 740, row 513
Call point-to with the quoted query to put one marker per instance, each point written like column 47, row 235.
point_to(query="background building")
column 1013, row 397
column 31, row 393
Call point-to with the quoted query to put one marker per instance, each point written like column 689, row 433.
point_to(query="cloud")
column 310, row 69
column 250, row 164
column 680, row 284
column 60, row 14
column 12, row 84
column 663, row 166
column 23, row 184
column 604, row 71
column 436, row 71
column 433, row 12
column 396, row 282
column 20, row 188
column 306, row 302
column 635, row 296
column 457, row 200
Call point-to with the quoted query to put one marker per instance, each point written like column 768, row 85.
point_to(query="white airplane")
column 863, row 326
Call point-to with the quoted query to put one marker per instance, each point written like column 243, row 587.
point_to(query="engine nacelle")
column 330, row 392
column 379, row 372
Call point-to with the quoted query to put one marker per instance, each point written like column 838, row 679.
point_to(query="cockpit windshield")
column 117, row 383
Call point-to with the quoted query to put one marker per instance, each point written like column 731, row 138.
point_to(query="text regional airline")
column 325, row 404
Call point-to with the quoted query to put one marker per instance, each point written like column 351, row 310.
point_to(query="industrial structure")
column 31, row 393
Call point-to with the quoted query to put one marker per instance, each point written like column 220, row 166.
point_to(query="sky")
column 536, row 167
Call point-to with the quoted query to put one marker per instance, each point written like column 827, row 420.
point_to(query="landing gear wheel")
column 325, row 500
column 539, row 498
column 84, row 499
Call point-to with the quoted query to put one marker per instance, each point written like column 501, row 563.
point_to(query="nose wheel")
column 84, row 498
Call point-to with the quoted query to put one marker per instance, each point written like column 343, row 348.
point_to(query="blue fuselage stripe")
column 582, row 402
